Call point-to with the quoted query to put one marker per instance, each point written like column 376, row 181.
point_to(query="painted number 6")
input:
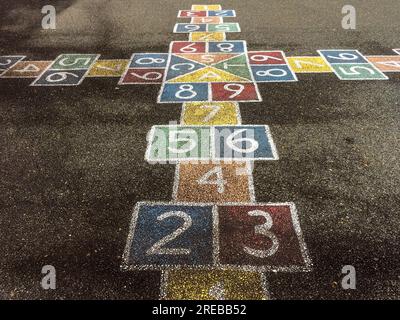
column 232, row 142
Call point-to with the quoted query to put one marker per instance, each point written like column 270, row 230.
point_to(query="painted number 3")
column 263, row 229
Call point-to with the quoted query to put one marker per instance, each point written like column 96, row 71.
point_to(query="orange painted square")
column 26, row 69
column 386, row 63
column 207, row 20
column 193, row 185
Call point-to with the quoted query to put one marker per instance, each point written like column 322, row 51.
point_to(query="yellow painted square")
column 206, row 7
column 211, row 113
column 108, row 68
column 207, row 36
column 214, row 285
column 308, row 65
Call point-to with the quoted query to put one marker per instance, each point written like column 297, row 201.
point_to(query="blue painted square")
column 149, row 60
column 343, row 56
column 243, row 142
column 184, row 92
column 273, row 73
column 222, row 13
column 60, row 78
column 190, row 27
column 226, row 47
column 157, row 242
column 7, row 62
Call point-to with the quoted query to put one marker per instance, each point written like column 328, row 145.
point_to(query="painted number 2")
column 158, row 248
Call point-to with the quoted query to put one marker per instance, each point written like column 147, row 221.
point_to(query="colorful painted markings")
column 270, row 66
column 208, row 71
column 145, row 68
column 6, row 62
column 66, row 70
column 208, row 13
column 210, row 113
column 351, row 65
column 214, row 285
column 309, row 64
column 206, row 27
column 171, row 143
column 248, row 237
column 108, row 68
column 207, row 36
column 214, row 183
column 206, row 7
column 26, row 69
column 385, row 63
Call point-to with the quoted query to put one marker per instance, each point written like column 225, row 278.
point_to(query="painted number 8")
column 150, row 60
column 263, row 229
column 225, row 47
column 186, row 92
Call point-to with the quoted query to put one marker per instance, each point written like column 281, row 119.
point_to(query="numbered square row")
column 171, row 143
column 234, row 46
column 351, row 65
column 67, row 70
column 213, row 92
column 206, row 27
column 206, row 13
column 251, row 237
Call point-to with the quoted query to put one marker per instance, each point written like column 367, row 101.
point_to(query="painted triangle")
column 237, row 65
column 207, row 58
column 210, row 74
column 179, row 66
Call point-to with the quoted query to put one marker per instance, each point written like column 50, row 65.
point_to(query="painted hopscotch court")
column 213, row 240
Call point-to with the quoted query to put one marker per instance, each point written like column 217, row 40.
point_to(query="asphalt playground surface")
column 72, row 158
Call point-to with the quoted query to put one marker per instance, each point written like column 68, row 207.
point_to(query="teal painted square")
column 358, row 71
column 171, row 143
column 74, row 61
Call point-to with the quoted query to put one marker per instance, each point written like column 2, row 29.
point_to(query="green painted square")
column 358, row 71
column 224, row 27
column 74, row 61
column 180, row 143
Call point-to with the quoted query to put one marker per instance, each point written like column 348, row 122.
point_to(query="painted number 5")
column 263, row 229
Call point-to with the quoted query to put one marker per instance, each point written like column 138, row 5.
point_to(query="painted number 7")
column 214, row 109
column 263, row 229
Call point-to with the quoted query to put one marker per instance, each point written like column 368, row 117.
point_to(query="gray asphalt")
column 72, row 159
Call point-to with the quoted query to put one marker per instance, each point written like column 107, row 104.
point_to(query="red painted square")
column 260, row 235
column 231, row 91
column 190, row 14
column 188, row 47
column 143, row 75
column 266, row 57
